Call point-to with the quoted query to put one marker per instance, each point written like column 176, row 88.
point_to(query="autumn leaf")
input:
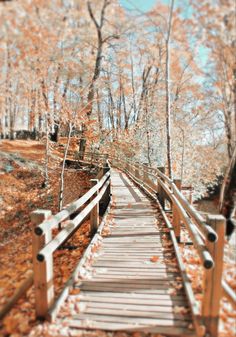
column 74, row 291
column 180, row 310
column 154, row 258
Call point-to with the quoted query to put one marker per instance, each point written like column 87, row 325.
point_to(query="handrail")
column 44, row 245
column 72, row 225
column 205, row 229
column 197, row 240
column 52, row 222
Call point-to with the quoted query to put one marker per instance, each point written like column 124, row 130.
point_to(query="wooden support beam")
column 43, row 271
column 145, row 174
column 213, row 277
column 137, row 169
column 160, row 191
column 94, row 215
column 176, row 214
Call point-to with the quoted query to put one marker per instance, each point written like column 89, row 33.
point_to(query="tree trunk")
column 167, row 80
column 61, row 193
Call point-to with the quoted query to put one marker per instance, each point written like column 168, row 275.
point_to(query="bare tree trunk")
column 45, row 183
column 47, row 120
column 61, row 193
column 182, row 155
column 31, row 115
column 100, row 119
column 100, row 43
column 145, row 76
column 97, row 69
column 148, row 136
column 133, row 87
column 167, row 80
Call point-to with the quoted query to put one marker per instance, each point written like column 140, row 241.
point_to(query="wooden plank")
column 114, row 326
column 134, row 270
column 131, row 264
column 142, row 239
column 128, row 257
column 161, row 290
column 135, row 295
column 132, row 285
column 120, row 317
column 129, row 281
column 128, row 309
column 161, row 301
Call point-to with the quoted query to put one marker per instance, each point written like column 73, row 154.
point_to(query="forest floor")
column 21, row 192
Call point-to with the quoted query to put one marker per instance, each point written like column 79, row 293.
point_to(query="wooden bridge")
column 132, row 276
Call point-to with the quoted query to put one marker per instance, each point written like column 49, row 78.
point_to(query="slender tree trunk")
column 228, row 131
column 167, row 82
column 147, row 132
column 100, row 119
column 45, row 184
column 133, row 87
column 182, row 156
column 47, row 123
column 61, row 193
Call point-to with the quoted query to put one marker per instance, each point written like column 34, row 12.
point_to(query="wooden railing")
column 44, row 245
column 207, row 238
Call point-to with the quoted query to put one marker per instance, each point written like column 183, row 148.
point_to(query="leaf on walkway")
column 154, row 258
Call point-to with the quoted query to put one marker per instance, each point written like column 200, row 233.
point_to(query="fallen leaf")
column 154, row 258
column 74, row 291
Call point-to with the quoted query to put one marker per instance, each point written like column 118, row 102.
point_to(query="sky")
column 143, row 5
column 186, row 12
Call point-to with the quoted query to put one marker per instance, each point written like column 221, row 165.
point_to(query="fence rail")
column 44, row 245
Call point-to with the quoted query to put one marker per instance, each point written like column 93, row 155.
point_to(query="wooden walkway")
column 129, row 279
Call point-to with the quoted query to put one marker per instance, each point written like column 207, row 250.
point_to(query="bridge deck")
column 130, row 279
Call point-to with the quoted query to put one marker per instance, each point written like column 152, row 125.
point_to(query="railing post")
column 126, row 166
column 190, row 199
column 94, row 215
column 213, row 277
column 160, row 192
column 43, row 271
column 176, row 215
column 137, row 173
column 145, row 173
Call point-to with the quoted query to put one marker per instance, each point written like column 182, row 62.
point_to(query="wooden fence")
column 44, row 245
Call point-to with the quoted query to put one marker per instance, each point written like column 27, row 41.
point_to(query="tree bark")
column 167, row 85
column 61, row 193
